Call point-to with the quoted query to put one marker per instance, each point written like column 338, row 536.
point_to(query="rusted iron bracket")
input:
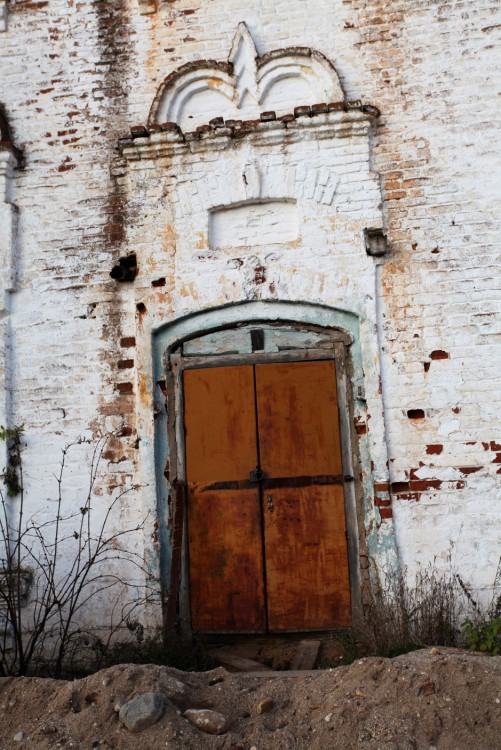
column 376, row 243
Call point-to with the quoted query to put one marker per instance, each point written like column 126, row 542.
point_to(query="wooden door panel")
column 298, row 419
column 305, row 535
column 224, row 521
column 308, row 583
column 226, row 569
column 220, row 424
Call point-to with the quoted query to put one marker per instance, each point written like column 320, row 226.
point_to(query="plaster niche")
column 254, row 224
column 245, row 85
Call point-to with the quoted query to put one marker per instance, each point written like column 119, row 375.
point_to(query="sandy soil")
column 434, row 699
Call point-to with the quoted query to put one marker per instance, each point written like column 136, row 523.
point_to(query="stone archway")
column 195, row 342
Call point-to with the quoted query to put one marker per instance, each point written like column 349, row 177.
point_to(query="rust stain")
column 201, row 243
column 144, row 394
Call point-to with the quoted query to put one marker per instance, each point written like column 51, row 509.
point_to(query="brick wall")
column 74, row 79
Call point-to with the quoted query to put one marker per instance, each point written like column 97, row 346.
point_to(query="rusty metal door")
column 266, row 523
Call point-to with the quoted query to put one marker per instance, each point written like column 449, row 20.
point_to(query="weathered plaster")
column 73, row 83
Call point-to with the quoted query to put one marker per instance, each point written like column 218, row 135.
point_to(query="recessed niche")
column 254, row 224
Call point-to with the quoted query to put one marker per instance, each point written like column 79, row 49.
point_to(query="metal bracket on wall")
column 376, row 242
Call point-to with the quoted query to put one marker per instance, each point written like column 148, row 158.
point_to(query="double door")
column 266, row 520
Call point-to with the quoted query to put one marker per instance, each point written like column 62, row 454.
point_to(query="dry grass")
column 400, row 618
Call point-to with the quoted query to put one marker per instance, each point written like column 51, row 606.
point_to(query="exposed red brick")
column 259, row 275
column 385, row 513
column 380, row 502
column 423, row 485
column 361, row 429
column 382, row 487
column 435, row 449
column 125, row 364
column 439, row 354
column 415, row 413
column 495, row 446
column 400, row 486
column 125, row 387
column 128, row 341
column 159, row 282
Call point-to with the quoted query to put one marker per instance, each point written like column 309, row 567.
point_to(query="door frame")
column 178, row 604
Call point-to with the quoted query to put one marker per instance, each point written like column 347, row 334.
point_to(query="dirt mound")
column 427, row 700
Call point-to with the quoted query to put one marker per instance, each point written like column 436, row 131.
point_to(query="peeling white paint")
column 426, row 172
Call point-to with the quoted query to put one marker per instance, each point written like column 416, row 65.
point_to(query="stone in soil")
column 142, row 711
column 207, row 721
column 265, row 706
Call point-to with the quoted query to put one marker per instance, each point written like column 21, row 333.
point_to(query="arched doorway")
column 260, row 416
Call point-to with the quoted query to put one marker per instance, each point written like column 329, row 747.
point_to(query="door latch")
column 269, row 503
column 257, row 475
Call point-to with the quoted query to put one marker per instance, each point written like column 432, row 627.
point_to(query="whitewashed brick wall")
column 74, row 80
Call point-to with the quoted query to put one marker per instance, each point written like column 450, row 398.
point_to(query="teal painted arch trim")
column 172, row 334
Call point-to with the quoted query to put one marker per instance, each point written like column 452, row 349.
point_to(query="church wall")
column 77, row 76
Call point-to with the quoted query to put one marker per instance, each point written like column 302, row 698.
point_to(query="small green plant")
column 483, row 629
column 485, row 636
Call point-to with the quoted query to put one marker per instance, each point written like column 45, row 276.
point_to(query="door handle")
column 257, row 475
column 269, row 503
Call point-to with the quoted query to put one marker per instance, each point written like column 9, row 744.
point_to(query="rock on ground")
column 447, row 700
column 142, row 711
column 207, row 721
